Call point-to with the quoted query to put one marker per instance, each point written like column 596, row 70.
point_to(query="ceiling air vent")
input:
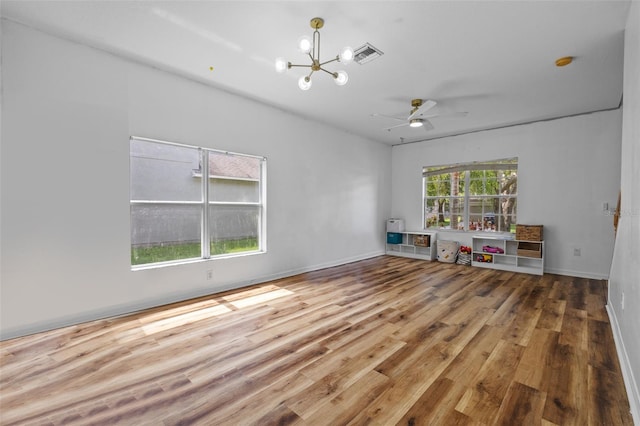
column 366, row 53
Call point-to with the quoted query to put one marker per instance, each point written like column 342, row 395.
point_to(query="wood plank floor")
column 382, row 341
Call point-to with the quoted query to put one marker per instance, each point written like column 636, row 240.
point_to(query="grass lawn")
column 165, row 253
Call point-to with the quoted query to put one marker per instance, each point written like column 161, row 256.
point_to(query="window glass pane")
column 457, row 183
column 234, row 178
column 475, row 214
column 444, row 203
column 476, row 182
column 233, row 229
column 161, row 233
column 508, row 213
column 488, row 219
column 163, row 172
column 491, row 185
column 229, row 190
column 461, row 183
column 438, row 185
column 509, row 183
column 491, row 205
column 456, row 217
column 512, row 224
column 441, row 212
column 431, row 212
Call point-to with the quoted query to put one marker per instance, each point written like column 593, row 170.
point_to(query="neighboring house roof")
column 234, row 166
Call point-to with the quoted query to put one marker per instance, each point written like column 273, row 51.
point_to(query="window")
column 479, row 196
column 177, row 215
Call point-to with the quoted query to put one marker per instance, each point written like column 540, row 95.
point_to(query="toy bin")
column 447, row 251
column 464, row 259
column 394, row 238
column 529, row 232
column 527, row 249
column 395, row 225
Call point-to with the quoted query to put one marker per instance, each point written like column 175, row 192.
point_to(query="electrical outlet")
column 209, row 274
column 577, row 252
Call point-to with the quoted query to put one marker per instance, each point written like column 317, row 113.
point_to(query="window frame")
column 205, row 204
column 465, row 169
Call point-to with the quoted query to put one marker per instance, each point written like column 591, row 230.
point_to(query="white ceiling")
column 492, row 59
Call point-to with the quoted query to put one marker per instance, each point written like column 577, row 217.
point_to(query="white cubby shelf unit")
column 516, row 256
column 414, row 244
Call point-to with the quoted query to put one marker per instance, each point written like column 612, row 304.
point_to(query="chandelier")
column 311, row 47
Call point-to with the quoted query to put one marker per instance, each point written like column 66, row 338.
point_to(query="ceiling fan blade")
column 426, row 124
column 426, row 105
column 448, row 114
column 388, row 116
column 394, row 127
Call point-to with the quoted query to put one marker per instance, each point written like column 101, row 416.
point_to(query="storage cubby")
column 415, row 244
column 508, row 254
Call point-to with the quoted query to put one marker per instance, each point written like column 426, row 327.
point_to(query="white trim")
column 195, row 203
column 235, row 203
column 243, row 179
column 627, row 373
column 205, row 238
column 199, row 203
column 178, row 262
column 512, row 164
column 577, row 274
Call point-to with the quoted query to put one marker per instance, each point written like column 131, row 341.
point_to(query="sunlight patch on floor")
column 260, row 298
column 186, row 318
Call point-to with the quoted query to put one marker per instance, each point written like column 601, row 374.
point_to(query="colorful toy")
column 484, row 258
column 490, row 249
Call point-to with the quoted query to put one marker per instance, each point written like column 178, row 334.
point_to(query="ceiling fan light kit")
column 311, row 47
column 416, row 116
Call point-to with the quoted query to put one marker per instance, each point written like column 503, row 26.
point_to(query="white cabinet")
column 415, row 244
column 508, row 255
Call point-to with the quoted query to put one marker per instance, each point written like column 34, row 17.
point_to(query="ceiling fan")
column 417, row 116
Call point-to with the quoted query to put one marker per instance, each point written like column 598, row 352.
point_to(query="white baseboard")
column 579, row 274
column 629, row 381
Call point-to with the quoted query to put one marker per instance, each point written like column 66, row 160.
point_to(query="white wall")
column 566, row 169
column 625, row 269
column 68, row 111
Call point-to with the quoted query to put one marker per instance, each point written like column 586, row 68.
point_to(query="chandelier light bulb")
column 341, row 78
column 304, row 83
column 304, row 44
column 281, row 65
column 346, row 55
column 416, row 122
